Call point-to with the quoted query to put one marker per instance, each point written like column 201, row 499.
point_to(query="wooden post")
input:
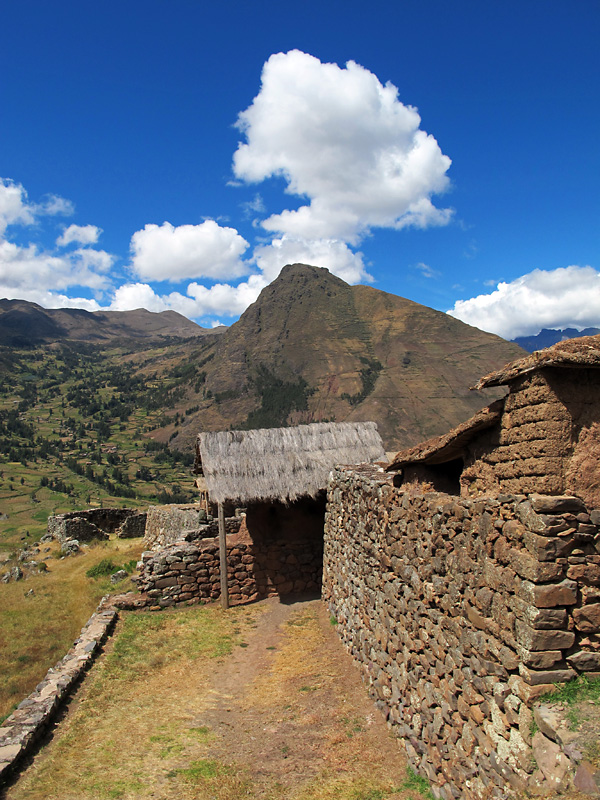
column 223, row 558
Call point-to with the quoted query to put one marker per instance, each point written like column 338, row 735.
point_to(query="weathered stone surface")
column 552, row 762
column 550, row 595
column 459, row 619
column 535, row 639
column 587, row 779
column 546, row 677
column 585, row 660
column 587, row 618
column 557, row 504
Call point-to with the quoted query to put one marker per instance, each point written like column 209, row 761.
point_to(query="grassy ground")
column 202, row 704
column 40, row 617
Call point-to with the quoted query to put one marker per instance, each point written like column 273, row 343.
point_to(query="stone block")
column 534, row 639
column 529, row 568
column 587, row 618
column 556, row 504
column 549, row 595
column 545, row 677
column 541, row 659
column 585, row 661
column 585, row 573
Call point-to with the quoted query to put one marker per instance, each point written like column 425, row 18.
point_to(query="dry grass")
column 137, row 728
column 37, row 629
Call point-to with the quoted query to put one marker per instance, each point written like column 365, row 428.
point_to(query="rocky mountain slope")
column 312, row 348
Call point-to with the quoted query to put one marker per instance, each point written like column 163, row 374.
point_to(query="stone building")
column 544, row 436
column 279, row 475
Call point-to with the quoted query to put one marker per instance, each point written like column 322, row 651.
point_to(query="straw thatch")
column 580, row 353
column 282, row 463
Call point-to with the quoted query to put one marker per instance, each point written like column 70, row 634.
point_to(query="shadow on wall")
column 287, row 543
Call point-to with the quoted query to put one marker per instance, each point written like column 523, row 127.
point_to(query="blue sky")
column 177, row 155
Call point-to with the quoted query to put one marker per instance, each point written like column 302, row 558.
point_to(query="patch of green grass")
column 105, row 567
column 205, row 769
column 418, row 783
column 580, row 689
column 333, row 620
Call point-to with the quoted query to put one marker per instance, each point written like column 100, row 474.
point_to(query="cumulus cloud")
column 164, row 252
column 343, row 140
column 200, row 301
column 567, row 297
column 81, row 234
column 27, row 269
column 14, row 208
column 330, row 253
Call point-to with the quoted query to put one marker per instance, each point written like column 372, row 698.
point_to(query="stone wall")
column 548, row 438
column 97, row 523
column 176, row 523
column 258, row 565
column 461, row 612
column 22, row 731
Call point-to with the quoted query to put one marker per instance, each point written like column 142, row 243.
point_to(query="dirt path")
column 291, row 704
column 283, row 716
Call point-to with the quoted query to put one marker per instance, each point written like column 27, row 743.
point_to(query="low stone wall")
column 461, row 612
column 172, row 523
column 189, row 572
column 21, row 731
column 97, row 523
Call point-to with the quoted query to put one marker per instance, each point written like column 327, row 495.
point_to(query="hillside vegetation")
column 90, row 418
column 75, row 432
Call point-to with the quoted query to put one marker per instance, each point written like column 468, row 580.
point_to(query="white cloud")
column 200, row 301
column 26, row 269
column 560, row 298
column 54, row 206
column 48, row 299
column 427, row 271
column 330, row 253
column 345, row 141
column 82, row 234
column 173, row 253
column 14, row 208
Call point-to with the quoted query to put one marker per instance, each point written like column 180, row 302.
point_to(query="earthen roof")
column 583, row 352
column 450, row 445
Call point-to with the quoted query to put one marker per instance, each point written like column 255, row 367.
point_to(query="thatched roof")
column 282, row 463
column 451, row 445
column 583, row 352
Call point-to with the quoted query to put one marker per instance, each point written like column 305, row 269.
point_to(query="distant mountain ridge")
column 24, row 324
column 549, row 336
column 310, row 349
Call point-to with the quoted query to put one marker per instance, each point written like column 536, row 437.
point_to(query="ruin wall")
column 189, row 572
column 97, row 524
column 460, row 613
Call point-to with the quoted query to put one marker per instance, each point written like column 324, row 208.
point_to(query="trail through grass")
column 177, row 709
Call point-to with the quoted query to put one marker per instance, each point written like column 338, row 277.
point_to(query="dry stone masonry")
column 189, row 572
column 97, row 524
column 461, row 612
